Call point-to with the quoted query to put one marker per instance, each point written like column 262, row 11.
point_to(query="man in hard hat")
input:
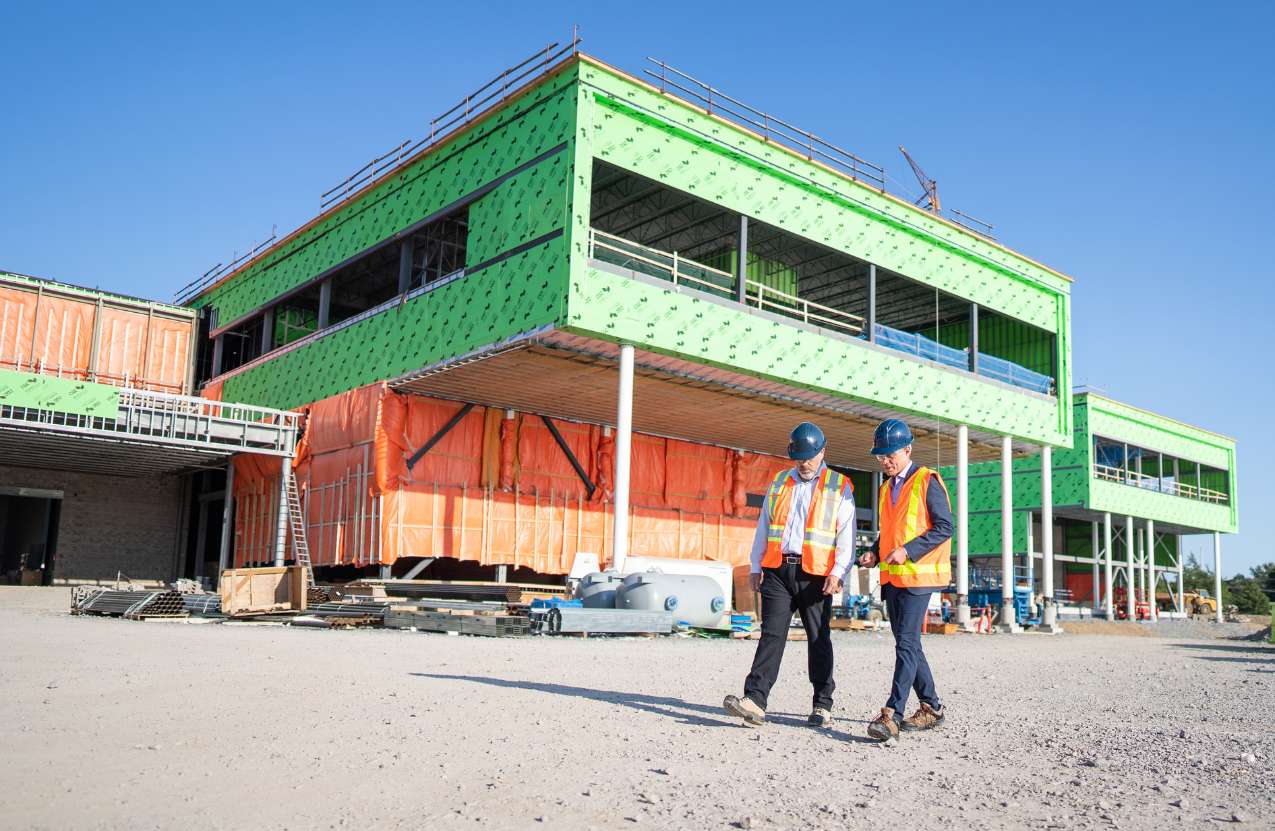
column 914, row 551
column 803, row 546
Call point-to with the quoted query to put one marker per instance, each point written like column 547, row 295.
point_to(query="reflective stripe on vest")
column 905, row 520
column 819, row 539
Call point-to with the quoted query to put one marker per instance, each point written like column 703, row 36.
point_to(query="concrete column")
column 1151, row 579
column 963, row 525
column 1049, row 619
column 1095, row 594
column 1008, row 619
column 1217, row 573
column 1108, row 580
column 227, row 521
column 741, row 270
column 1130, row 585
column 281, row 527
column 623, row 459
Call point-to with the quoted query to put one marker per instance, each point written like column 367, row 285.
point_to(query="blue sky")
column 1126, row 144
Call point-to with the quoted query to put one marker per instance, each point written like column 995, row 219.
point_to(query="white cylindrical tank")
column 694, row 599
column 597, row 590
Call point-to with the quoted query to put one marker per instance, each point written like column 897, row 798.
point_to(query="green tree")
column 1264, row 576
column 1247, row 595
column 1195, row 577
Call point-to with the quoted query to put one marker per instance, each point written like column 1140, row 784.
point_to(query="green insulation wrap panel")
column 515, row 135
column 518, row 294
column 686, row 323
column 1074, row 484
column 635, row 128
column 59, row 395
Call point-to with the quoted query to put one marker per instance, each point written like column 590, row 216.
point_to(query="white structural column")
column 1217, row 573
column 623, row 459
column 963, row 525
column 281, row 527
column 1108, row 582
column 1129, row 581
column 1151, row 608
column 1050, row 616
column 1095, row 593
column 1008, row 618
column 1177, row 540
column 227, row 520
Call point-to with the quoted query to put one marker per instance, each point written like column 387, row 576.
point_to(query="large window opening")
column 1117, row 461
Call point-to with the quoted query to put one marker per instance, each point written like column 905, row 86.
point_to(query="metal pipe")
column 623, row 458
column 1007, row 531
column 1217, row 573
column 1129, row 582
column 962, row 524
column 1106, row 560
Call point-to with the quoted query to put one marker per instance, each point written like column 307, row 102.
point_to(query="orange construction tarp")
column 495, row 489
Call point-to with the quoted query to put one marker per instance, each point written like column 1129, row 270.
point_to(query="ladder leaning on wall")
column 296, row 526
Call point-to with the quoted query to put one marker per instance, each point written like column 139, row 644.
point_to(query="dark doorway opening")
column 28, row 535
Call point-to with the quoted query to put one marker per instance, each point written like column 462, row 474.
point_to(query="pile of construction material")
column 134, row 605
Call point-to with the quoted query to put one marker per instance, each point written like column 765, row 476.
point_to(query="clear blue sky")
column 1126, row 144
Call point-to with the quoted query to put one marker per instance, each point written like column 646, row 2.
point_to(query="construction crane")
column 931, row 187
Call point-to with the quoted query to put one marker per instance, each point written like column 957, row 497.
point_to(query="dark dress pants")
column 907, row 609
column 785, row 590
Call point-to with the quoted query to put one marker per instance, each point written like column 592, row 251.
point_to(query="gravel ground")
column 117, row 724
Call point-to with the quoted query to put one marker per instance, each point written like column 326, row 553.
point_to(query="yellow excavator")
column 1197, row 602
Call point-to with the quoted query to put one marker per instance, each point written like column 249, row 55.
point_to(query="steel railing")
column 682, row 271
column 1154, row 483
column 716, row 102
column 173, row 419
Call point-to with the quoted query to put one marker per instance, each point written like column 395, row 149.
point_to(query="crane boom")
column 930, row 186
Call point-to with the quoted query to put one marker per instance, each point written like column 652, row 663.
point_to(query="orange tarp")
column 495, row 489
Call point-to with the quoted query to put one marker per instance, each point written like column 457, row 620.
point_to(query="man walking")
column 803, row 546
column 914, row 551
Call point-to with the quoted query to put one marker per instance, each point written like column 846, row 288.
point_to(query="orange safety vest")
column 819, row 543
column 904, row 521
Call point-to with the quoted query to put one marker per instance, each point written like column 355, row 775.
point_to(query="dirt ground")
column 116, row 724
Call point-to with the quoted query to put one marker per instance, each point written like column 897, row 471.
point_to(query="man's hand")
column 898, row 556
column 831, row 584
column 867, row 559
column 755, row 579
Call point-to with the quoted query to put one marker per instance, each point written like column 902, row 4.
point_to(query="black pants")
column 911, row 671
column 785, row 590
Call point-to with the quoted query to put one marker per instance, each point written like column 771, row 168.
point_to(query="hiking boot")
column 746, row 709
column 925, row 718
column 820, row 717
column 883, row 727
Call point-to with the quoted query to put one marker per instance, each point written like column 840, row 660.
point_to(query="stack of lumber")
column 481, row 619
column 514, row 593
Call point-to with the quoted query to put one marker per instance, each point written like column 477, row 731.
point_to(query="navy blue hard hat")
column 892, row 435
column 805, row 442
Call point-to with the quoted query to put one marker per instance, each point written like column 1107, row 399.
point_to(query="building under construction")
column 581, row 314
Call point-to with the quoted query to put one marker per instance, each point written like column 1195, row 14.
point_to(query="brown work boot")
column 746, row 709
column 883, row 728
column 925, row 718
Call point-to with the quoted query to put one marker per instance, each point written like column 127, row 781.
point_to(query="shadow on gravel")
column 1255, row 654
column 658, row 704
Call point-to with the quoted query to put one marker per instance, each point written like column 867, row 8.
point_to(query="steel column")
column 1130, row 584
column 1106, row 561
column 281, row 526
column 267, row 330
column 1177, row 540
column 973, row 357
column 227, row 520
column 962, row 525
column 201, row 539
column 218, row 348
column 741, row 266
column 1217, row 571
column 1050, row 616
column 1008, row 618
column 872, row 303
column 405, row 253
column 1095, row 603
column 1151, row 580
column 623, row 458
column 325, row 304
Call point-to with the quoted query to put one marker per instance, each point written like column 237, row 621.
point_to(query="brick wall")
column 109, row 523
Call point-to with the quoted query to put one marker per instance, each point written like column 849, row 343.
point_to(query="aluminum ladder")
column 296, row 525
